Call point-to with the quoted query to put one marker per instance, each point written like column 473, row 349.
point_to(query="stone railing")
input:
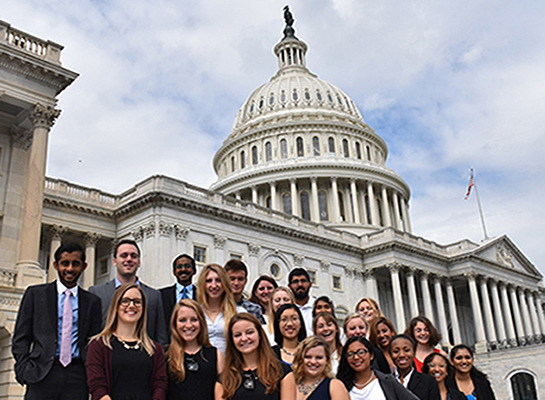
column 58, row 187
column 7, row 277
column 44, row 49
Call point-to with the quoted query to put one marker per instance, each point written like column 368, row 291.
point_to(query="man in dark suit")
column 183, row 268
column 54, row 324
column 127, row 261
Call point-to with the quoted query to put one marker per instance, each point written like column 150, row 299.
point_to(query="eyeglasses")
column 125, row 302
column 360, row 353
column 183, row 266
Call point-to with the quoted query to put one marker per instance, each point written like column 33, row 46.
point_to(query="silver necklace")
column 287, row 352
column 362, row 385
column 306, row 389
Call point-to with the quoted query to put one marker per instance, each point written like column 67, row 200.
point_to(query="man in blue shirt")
column 54, row 324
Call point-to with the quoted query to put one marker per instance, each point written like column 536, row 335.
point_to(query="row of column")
column 393, row 211
column 514, row 317
column 90, row 241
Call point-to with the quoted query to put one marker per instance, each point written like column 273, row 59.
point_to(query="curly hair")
column 435, row 336
column 298, row 365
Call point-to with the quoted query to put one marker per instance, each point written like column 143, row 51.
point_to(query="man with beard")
column 300, row 284
column 183, row 268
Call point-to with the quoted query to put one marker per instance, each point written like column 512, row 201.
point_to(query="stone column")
column 315, row 214
column 375, row 220
column 363, row 208
column 56, row 233
column 254, row 195
column 354, row 193
column 480, row 346
column 386, row 215
column 453, row 313
column 371, row 285
column 441, row 314
column 502, row 338
column 426, row 297
column 294, row 197
column 518, row 319
column 90, row 239
column 488, row 318
column 525, row 315
column 398, row 296
column 539, row 309
column 533, row 315
column 335, row 200
column 43, row 118
column 398, row 223
column 406, row 219
column 274, row 205
column 413, row 298
column 511, row 335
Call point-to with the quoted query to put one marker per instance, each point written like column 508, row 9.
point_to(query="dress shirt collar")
column 61, row 289
column 118, row 282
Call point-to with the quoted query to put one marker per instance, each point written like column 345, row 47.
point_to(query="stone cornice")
column 75, row 206
column 34, row 68
column 210, row 210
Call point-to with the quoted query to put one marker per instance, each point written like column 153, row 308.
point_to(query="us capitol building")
column 302, row 182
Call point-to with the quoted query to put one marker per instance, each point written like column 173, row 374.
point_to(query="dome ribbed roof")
column 294, row 89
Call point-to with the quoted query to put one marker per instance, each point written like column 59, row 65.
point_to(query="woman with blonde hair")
column 369, row 309
column 122, row 361
column 215, row 295
column 279, row 296
column 312, row 371
column 193, row 364
column 252, row 372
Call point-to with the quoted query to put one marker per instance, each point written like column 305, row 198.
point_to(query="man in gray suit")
column 127, row 261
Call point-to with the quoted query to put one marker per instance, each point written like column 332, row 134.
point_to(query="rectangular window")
column 199, row 254
column 103, row 266
column 337, row 283
column 312, row 275
column 234, row 256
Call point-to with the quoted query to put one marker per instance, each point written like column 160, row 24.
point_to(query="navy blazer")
column 168, row 295
column 35, row 338
column 156, row 326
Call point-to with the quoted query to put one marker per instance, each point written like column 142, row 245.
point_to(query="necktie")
column 66, row 334
column 184, row 293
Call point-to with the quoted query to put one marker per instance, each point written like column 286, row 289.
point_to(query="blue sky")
column 448, row 85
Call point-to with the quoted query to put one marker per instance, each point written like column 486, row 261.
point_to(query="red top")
column 419, row 364
column 100, row 376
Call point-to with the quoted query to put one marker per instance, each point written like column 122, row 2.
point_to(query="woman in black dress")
column 123, row 363
column 193, row 365
column 251, row 371
column 312, row 370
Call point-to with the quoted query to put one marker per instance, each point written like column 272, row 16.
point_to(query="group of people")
column 123, row 340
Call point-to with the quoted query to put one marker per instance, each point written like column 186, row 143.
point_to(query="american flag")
column 471, row 184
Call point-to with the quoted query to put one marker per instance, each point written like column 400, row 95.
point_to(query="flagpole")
column 481, row 211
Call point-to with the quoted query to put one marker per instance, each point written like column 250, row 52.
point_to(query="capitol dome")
column 300, row 145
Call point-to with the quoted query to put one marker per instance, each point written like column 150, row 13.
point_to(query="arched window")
column 286, row 202
column 233, row 164
column 283, row 148
column 316, row 145
column 523, row 386
column 242, row 159
column 368, row 152
column 345, row 148
column 305, row 206
column 268, row 202
column 331, row 145
column 322, row 204
column 268, row 151
column 254, row 155
column 342, row 213
column 358, row 150
column 300, row 147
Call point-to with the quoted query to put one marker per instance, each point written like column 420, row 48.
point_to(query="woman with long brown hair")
column 193, row 364
column 215, row 295
column 252, row 372
column 122, row 361
column 426, row 336
column 381, row 333
column 261, row 293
